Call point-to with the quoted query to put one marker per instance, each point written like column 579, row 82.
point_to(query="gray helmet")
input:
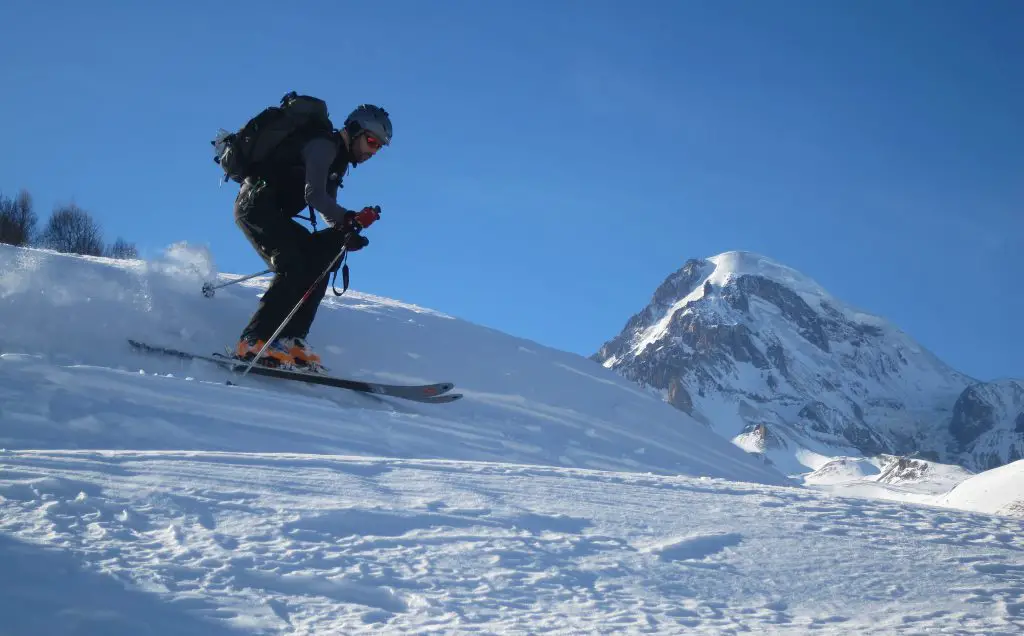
column 371, row 119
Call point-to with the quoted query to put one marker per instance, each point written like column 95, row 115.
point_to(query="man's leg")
column 302, row 321
column 325, row 246
column 283, row 244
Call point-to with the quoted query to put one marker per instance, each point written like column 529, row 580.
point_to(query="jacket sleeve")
column 318, row 154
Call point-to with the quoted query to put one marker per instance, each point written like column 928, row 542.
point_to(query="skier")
column 305, row 170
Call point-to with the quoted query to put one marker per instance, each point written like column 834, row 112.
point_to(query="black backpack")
column 241, row 154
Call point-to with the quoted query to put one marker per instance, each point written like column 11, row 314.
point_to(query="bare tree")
column 122, row 249
column 17, row 219
column 72, row 230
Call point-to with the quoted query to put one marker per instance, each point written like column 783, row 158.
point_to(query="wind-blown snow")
column 142, row 495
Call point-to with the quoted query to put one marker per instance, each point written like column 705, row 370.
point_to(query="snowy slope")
column 143, row 495
column 176, row 542
column 770, row 360
column 999, row 491
column 996, row 491
column 68, row 318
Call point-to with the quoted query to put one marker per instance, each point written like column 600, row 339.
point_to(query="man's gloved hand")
column 356, row 242
column 365, row 217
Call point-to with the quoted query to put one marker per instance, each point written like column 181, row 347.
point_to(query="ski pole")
column 302, row 300
column 208, row 288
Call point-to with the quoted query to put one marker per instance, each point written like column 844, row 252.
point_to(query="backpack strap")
column 312, row 216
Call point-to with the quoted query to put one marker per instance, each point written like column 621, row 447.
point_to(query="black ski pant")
column 296, row 255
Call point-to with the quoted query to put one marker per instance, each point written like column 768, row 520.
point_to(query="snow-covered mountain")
column 143, row 494
column 769, row 359
column 988, row 423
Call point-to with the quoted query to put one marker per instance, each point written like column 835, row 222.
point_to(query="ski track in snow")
column 289, row 543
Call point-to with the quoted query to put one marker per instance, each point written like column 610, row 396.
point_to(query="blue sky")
column 554, row 161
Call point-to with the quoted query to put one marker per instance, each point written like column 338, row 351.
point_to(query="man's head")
column 369, row 129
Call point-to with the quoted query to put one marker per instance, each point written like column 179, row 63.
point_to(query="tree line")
column 69, row 229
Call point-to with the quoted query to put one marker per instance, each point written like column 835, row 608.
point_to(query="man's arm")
column 318, row 154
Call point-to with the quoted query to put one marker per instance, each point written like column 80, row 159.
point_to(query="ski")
column 436, row 393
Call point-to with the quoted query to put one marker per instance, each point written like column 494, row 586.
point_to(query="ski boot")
column 277, row 355
column 305, row 358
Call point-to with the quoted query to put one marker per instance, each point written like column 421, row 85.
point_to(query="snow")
column 143, row 495
column 996, row 491
column 69, row 319
column 659, row 328
column 842, row 470
column 734, row 264
column 999, row 490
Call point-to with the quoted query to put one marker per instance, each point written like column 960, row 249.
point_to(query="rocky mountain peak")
column 748, row 345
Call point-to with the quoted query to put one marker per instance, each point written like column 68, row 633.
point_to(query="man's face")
column 364, row 147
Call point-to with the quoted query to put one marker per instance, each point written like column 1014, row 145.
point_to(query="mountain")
column 988, row 423
column 766, row 357
column 143, row 494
